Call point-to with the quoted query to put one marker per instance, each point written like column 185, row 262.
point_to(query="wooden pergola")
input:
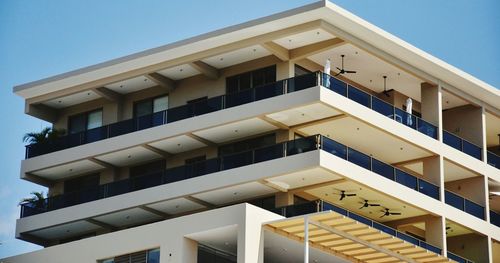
column 349, row 239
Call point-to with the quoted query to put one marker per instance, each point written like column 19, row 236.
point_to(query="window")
column 148, row 168
column 146, row 256
column 85, row 121
column 250, row 79
column 150, row 106
column 246, row 145
column 196, row 159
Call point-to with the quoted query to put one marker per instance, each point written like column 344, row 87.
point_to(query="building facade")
column 305, row 136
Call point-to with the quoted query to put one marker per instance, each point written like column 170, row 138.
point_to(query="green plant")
column 47, row 134
column 37, row 198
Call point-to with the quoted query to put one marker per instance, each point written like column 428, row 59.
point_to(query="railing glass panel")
column 462, row 145
column 464, row 204
column 494, row 218
column 493, row 160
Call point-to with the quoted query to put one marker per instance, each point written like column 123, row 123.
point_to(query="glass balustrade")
column 458, row 258
column 464, row 204
column 495, row 218
column 462, row 145
column 378, row 105
column 493, row 160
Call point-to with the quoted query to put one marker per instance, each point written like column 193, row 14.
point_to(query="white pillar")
column 306, row 239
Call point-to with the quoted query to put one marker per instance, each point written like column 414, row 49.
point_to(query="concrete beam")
column 161, row 81
column 205, row 69
column 280, row 52
column 156, row 150
column 108, row 94
column 312, row 49
column 41, row 111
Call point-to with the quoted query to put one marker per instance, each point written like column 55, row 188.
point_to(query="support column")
column 283, row 199
column 484, row 144
column 432, row 105
column 285, row 70
column 306, row 239
column 435, row 232
column 250, row 248
column 434, row 173
column 189, row 252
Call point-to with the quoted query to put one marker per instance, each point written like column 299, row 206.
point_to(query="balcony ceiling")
column 329, row 193
column 454, row 229
column 131, row 85
column 451, row 101
column 303, row 178
column 128, row 217
column 178, row 144
column 69, row 170
column 179, row 72
column 304, row 114
column 303, row 39
column 223, row 238
column 370, row 70
column 176, row 206
column 235, row 193
column 236, row 130
column 73, row 99
column 66, row 230
column 237, row 56
column 361, row 136
column 130, row 156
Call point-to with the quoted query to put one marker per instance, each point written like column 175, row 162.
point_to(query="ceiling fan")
column 389, row 213
column 343, row 194
column 342, row 70
column 366, row 204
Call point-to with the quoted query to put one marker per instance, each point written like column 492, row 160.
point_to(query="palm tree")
column 46, row 135
column 37, row 198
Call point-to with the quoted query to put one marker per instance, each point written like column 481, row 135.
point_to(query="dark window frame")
column 86, row 114
column 250, row 74
column 150, row 99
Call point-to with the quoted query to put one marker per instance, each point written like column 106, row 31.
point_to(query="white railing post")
column 306, row 239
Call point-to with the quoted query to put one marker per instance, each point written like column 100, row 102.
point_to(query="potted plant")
column 37, row 200
column 46, row 135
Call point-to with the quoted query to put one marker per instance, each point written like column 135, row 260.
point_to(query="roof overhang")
column 321, row 14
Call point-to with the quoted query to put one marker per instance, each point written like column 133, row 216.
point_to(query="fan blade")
column 349, row 71
column 351, row 194
column 362, row 207
column 374, row 204
column 338, row 74
column 341, row 197
column 395, row 213
column 339, row 69
column 382, row 215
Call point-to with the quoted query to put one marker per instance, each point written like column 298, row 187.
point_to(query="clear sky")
column 47, row 37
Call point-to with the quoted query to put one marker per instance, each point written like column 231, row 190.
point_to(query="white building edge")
column 234, row 146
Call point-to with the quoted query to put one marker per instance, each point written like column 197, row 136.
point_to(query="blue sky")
column 47, row 37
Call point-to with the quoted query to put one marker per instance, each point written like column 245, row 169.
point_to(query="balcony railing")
column 175, row 114
column 321, row 205
column 458, row 258
column 379, row 167
column 493, row 160
column 462, row 145
column 464, row 204
column 378, row 105
column 228, row 162
column 494, row 218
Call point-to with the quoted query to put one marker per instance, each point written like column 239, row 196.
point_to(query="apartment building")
column 244, row 145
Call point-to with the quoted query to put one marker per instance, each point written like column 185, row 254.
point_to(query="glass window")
column 85, row 121
column 251, row 79
column 77, row 123
column 154, row 256
column 80, row 183
column 299, row 71
column 160, row 104
column 94, row 119
column 150, row 106
column 249, row 144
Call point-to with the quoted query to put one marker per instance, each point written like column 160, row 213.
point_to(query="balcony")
column 458, row 258
column 494, row 218
column 493, row 160
column 321, row 205
column 462, row 145
column 276, row 151
column 464, row 204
